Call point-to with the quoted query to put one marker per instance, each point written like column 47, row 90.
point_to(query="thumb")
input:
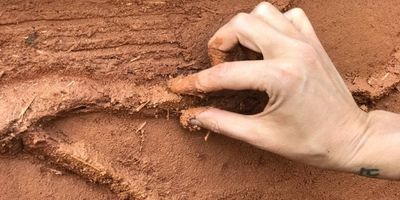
column 241, row 127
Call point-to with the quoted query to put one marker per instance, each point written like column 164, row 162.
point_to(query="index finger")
column 241, row 75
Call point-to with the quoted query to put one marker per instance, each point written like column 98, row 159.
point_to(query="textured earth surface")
column 85, row 112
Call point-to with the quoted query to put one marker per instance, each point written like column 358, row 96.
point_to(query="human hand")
column 310, row 117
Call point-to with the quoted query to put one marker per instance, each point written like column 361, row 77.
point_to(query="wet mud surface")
column 86, row 112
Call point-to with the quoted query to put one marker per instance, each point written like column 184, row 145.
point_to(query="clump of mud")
column 189, row 115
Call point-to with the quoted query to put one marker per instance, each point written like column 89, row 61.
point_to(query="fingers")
column 252, row 33
column 241, row 127
column 274, row 18
column 300, row 20
column 253, row 75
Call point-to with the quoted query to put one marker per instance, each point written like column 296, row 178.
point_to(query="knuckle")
column 217, row 73
column 240, row 20
column 222, row 68
column 297, row 12
column 263, row 8
column 265, row 4
column 299, row 17
column 292, row 74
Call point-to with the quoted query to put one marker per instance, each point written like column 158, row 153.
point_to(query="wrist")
column 339, row 142
column 372, row 150
column 347, row 140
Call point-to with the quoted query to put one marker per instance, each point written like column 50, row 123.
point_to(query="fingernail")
column 194, row 122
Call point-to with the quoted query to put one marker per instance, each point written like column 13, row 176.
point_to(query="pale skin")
column 311, row 116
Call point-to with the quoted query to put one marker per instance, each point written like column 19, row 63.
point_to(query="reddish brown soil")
column 78, row 79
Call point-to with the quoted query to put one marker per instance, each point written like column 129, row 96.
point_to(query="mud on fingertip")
column 188, row 118
column 185, row 85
